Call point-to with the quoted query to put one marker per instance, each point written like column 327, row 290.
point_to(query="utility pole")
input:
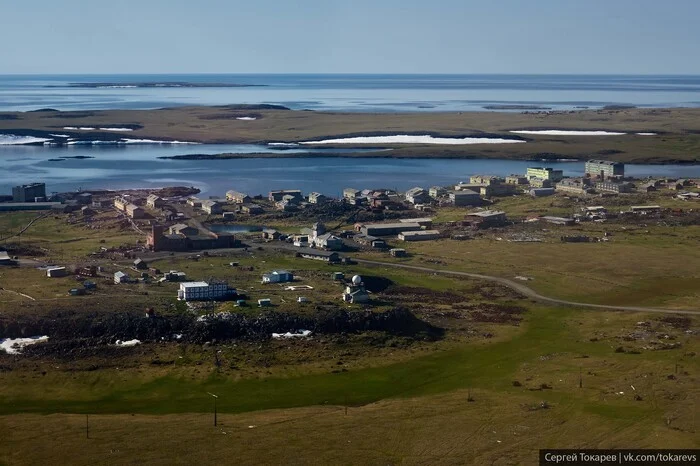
column 215, row 397
column 580, row 378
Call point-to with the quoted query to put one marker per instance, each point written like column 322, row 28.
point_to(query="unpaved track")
column 527, row 291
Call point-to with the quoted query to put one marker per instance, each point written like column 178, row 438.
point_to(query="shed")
column 140, row 264
column 76, row 291
column 338, row 276
column 120, row 277
column 264, row 302
column 89, row 285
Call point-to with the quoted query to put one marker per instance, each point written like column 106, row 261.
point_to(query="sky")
column 349, row 36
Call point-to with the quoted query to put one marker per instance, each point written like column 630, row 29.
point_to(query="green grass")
column 484, row 366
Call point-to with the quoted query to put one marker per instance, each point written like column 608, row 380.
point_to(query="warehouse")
column 386, row 229
column 423, row 235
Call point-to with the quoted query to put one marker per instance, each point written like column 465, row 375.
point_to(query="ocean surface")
column 135, row 166
column 138, row 166
column 341, row 92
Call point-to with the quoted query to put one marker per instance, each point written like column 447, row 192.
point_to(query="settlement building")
column 278, row 276
column 252, row 209
column 516, row 179
column 154, row 202
column 203, row 291
column 35, row 192
column 276, row 196
column 417, row 196
column 386, row 229
column 541, row 192
column 134, row 211
column 437, row 191
column 573, row 186
column 613, row 187
column 486, row 219
column 604, row 169
column 422, row 235
column 317, row 198
column 237, row 197
column 326, row 256
column 465, row 197
column 120, row 203
column 212, row 207
column 120, row 277
column 544, row 173
column 157, row 240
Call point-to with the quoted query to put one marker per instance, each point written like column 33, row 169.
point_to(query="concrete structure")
column 270, row 234
column 35, row 192
column 498, row 189
column 120, row 277
column 278, row 276
column 203, row 291
column 485, row 180
column 541, row 192
column 252, row 209
column 212, row 207
column 55, row 272
column 276, row 196
column 544, row 173
column 120, row 203
column 386, row 229
column 540, row 183
column 317, row 198
column 237, row 197
column 465, row 197
column 417, row 195
column 516, row 179
column 154, row 202
column 573, row 186
column 134, row 211
column 614, row 187
column 422, row 235
column 604, row 169
column 437, row 191
column 351, row 193
column 328, row 241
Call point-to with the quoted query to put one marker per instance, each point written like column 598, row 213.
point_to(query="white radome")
column 356, row 280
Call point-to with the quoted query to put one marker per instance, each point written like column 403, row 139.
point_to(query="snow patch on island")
column 14, row 140
column 300, row 334
column 561, row 132
column 646, row 134
column 116, row 129
column 15, row 345
column 133, row 342
column 246, row 118
column 414, row 139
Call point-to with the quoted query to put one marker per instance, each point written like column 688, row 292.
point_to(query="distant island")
column 515, row 107
column 113, row 85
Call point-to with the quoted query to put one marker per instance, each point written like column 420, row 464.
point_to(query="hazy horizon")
column 596, row 37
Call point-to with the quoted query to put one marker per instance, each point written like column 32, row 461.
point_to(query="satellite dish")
column 356, row 280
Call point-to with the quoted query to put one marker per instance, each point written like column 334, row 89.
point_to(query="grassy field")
column 677, row 129
column 398, row 412
column 625, row 379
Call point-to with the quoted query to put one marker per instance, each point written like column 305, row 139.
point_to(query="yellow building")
column 545, row 173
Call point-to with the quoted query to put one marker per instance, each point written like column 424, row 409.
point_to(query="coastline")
column 675, row 139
